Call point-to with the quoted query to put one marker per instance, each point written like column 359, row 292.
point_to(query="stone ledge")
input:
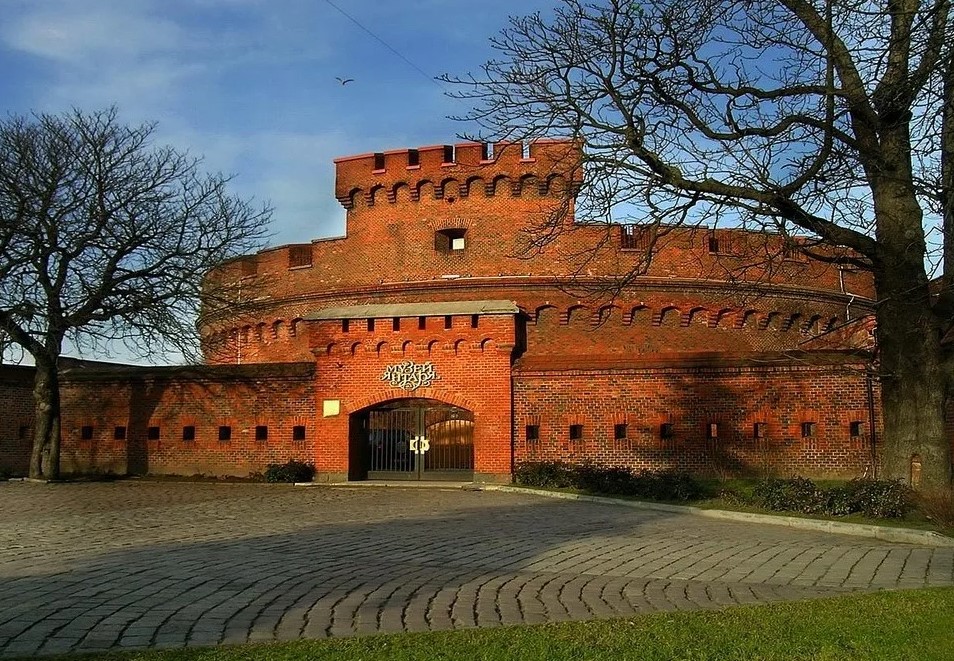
column 884, row 533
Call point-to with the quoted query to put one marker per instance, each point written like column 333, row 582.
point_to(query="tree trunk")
column 913, row 388
column 45, row 458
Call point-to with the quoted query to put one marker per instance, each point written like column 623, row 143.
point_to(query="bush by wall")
column 293, row 471
column 653, row 485
column 879, row 499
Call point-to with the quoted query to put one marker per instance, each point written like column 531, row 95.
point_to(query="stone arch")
column 697, row 314
column 355, row 198
column 433, row 392
column 382, row 349
column 474, row 185
column 278, row 329
column 375, row 195
column 812, row 325
column 331, row 348
column 717, row 319
column 527, row 185
column 746, row 318
column 830, row 324
column 545, row 311
column 667, row 315
column 487, row 344
column 260, row 332
column 770, row 319
column 576, row 314
column 424, row 188
column 500, row 183
column 606, row 314
column 245, row 334
column 636, row 313
column 407, row 347
column 556, row 184
column 460, row 346
column 791, row 320
column 432, row 346
column 400, row 192
column 295, row 327
column 450, row 189
column 357, row 348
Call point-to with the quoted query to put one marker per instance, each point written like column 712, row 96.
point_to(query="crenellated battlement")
column 448, row 172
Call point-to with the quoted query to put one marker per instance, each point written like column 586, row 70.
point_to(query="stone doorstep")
column 884, row 533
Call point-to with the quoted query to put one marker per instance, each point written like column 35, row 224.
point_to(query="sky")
column 251, row 85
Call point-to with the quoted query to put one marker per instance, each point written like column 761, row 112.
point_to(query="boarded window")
column 299, row 256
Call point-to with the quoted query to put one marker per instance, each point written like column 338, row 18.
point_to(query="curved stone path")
column 142, row 564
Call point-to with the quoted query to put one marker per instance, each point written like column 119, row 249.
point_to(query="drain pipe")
column 871, row 421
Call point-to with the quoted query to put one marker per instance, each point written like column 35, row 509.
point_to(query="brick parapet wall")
column 16, row 423
column 690, row 399
column 278, row 397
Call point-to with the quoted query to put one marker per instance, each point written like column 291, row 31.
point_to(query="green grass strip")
column 915, row 624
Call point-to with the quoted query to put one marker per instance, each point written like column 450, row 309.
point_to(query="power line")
column 386, row 44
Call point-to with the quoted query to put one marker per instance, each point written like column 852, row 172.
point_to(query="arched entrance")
column 412, row 439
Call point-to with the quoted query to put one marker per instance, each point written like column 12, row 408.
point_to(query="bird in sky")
column 344, row 81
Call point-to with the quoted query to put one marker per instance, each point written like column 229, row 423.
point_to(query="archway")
column 412, row 439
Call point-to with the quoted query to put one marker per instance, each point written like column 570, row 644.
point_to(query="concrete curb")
column 884, row 533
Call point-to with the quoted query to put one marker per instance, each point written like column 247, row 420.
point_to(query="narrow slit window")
column 345, row 325
column 370, row 325
column 396, row 323
column 422, row 323
column 712, row 430
column 474, row 320
column 448, row 321
column 713, row 244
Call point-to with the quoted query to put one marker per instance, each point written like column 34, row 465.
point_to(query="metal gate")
column 419, row 439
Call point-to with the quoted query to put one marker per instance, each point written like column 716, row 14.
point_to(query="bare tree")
column 105, row 238
column 831, row 119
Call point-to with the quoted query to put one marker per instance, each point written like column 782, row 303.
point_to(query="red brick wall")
column 473, row 365
column 690, row 398
column 16, row 423
column 389, row 254
column 242, row 398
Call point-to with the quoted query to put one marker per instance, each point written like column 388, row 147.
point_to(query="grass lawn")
column 912, row 624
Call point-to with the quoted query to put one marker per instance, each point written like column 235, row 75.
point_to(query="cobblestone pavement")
column 137, row 564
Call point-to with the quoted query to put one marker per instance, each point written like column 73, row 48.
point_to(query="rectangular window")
column 152, row 433
column 261, row 433
column 119, row 433
column 345, row 325
column 759, row 430
column 857, row 428
column 86, row 433
column 712, row 430
column 249, row 266
column 486, row 151
column 298, row 433
column 790, row 250
column 666, row 430
column 23, row 431
column 713, row 244
column 448, row 321
column 576, row 432
column 225, row 433
column 474, row 320
column 620, row 431
column 188, row 433
column 371, row 325
column 448, row 153
column 809, row 429
column 634, row 237
column 299, row 256
column 532, row 433
column 413, row 158
column 396, row 323
column 378, row 160
column 450, row 240
column 422, row 323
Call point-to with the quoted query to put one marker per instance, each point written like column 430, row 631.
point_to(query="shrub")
column 654, row 485
column 881, row 499
column 293, row 471
column 545, row 474
column 797, row 494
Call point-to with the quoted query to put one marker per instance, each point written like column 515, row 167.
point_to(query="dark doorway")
column 412, row 439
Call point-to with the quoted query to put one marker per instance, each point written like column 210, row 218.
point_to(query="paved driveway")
column 137, row 564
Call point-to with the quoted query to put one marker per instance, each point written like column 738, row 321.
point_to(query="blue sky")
column 251, row 84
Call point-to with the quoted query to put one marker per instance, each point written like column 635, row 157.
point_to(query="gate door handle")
column 420, row 445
